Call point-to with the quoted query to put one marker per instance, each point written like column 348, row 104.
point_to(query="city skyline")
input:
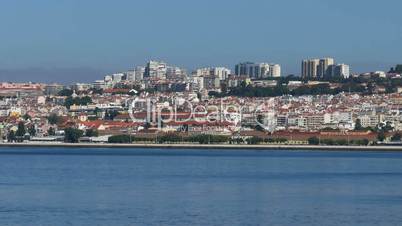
column 200, row 112
column 95, row 38
column 268, row 69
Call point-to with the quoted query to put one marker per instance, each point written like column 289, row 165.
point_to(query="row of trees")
column 317, row 141
column 258, row 140
column 172, row 138
column 22, row 130
column 127, row 139
column 396, row 137
column 397, row 69
column 280, row 90
column 73, row 135
column 355, row 85
column 201, row 139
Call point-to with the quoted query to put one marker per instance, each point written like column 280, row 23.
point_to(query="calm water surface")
column 59, row 186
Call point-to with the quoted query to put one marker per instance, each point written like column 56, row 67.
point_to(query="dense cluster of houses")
column 149, row 114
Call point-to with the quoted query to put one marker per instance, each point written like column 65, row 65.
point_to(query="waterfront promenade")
column 209, row 146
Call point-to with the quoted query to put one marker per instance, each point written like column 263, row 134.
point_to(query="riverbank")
column 209, row 146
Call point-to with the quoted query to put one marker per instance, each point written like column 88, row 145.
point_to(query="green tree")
column 396, row 137
column 53, row 119
column 91, row 133
column 96, row 91
column 11, row 136
column 170, row 138
column 119, row 139
column 363, row 142
column 313, row 141
column 72, row 135
column 21, row 129
column 388, row 127
column 68, row 102
column 65, row 92
column 385, row 127
column 110, row 115
column 260, row 120
column 97, row 111
column 381, row 136
column 328, row 142
column 51, row 131
column 208, row 139
column 358, row 125
column 27, row 117
column 341, row 142
column 254, row 140
column 398, row 68
column 32, row 130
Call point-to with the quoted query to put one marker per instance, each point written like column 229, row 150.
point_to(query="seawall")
column 209, row 146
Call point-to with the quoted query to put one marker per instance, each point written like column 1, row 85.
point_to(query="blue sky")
column 80, row 40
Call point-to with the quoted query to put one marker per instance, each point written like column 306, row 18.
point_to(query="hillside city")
column 326, row 104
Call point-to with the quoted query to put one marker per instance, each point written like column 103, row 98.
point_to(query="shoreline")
column 207, row 146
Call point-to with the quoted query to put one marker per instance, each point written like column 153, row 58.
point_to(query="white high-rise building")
column 339, row 70
column 197, row 83
column 221, row 72
column 108, row 78
column 173, row 72
column 342, row 70
column 322, row 69
column 99, row 84
column 117, row 77
column 130, row 75
column 155, row 69
column 309, row 68
column 139, row 73
column 256, row 71
column 202, row 72
column 263, row 70
column 275, row 70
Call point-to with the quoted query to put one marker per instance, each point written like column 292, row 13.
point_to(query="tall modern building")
column 257, row 71
column 331, row 70
column 130, row 75
column 136, row 74
column 211, row 82
column 246, row 68
column 221, row 72
column 322, row 70
column 342, row 70
column 156, row 69
column 173, row 72
column 117, row 77
column 275, row 70
column 139, row 73
column 339, row 70
column 202, row 72
column 309, row 68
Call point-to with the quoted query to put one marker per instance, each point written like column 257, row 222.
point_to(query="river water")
column 62, row 186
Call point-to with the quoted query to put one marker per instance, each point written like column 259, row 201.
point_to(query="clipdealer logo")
column 162, row 113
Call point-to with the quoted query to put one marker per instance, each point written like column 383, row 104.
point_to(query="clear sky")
column 80, row 40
